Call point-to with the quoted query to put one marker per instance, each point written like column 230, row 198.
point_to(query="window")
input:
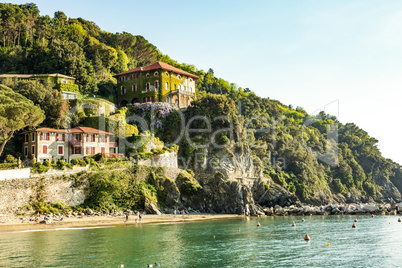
column 156, row 73
column 178, row 86
column 63, row 136
column 103, row 150
column 25, row 138
column 153, row 99
column 156, row 84
column 77, row 150
column 93, row 138
column 44, row 149
column 134, row 88
column 166, row 73
column 47, row 136
column 87, row 137
column 26, row 151
column 144, row 100
column 191, row 89
column 178, row 76
column 147, row 75
column 93, row 150
column 57, row 136
column 60, row 150
column 77, row 137
column 191, row 80
column 123, row 90
column 167, row 86
column 33, row 149
column 147, row 86
column 33, row 136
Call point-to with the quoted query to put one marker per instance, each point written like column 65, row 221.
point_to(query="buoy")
column 303, row 220
column 389, row 223
column 372, row 215
column 328, row 244
column 306, row 237
column 322, row 222
column 399, row 220
column 258, row 224
column 340, row 222
column 354, row 225
column 355, row 220
column 293, row 224
column 238, row 229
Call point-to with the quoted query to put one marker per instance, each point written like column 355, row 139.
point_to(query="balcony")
column 75, row 143
column 112, row 144
column 118, row 155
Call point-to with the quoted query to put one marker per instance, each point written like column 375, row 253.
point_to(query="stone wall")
column 22, row 173
column 16, row 193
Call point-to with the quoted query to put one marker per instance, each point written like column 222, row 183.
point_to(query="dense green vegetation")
column 293, row 148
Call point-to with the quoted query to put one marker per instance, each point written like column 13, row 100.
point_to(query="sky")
column 340, row 56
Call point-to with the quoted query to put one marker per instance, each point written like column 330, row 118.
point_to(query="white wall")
column 22, row 173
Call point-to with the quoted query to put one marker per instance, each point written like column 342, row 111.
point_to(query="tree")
column 48, row 99
column 16, row 113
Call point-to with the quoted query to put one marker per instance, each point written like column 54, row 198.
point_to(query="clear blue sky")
column 304, row 53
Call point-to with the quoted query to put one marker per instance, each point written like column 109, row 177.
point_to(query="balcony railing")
column 75, row 143
column 113, row 144
column 118, row 155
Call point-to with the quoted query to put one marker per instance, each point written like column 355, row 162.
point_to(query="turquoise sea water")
column 374, row 243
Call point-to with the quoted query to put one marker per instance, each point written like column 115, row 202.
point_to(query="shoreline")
column 109, row 221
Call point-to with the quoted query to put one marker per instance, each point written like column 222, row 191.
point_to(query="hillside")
column 315, row 157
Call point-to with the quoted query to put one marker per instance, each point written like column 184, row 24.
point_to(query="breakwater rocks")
column 335, row 209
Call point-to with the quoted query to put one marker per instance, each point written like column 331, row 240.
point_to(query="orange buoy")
column 355, row 220
column 258, row 224
column 354, row 225
column 306, row 237
column 293, row 224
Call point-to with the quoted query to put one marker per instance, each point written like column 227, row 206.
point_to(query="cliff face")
column 231, row 183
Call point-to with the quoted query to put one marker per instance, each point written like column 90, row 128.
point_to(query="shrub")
column 10, row 159
column 60, row 164
column 70, row 166
column 266, row 187
column 74, row 162
column 46, row 163
column 39, row 168
column 82, row 163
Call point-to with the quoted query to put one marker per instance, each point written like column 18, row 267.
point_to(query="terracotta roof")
column 88, row 130
column 35, row 75
column 71, row 130
column 157, row 66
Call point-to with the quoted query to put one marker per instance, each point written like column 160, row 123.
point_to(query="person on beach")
column 127, row 216
column 140, row 217
column 183, row 213
column 175, row 211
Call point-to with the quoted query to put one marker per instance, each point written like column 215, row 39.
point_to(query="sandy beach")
column 102, row 221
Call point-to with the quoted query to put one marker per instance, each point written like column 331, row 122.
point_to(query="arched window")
column 123, row 90
column 134, row 88
column 147, row 86
column 167, row 86
column 156, row 84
